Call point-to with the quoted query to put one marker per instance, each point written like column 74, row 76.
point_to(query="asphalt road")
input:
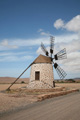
column 66, row 107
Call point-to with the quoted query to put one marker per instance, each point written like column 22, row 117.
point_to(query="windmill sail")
column 51, row 45
column 44, row 49
column 61, row 55
column 60, row 71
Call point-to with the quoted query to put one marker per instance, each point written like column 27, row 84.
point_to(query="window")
column 37, row 75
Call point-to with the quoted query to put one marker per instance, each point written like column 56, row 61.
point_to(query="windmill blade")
column 44, row 49
column 61, row 55
column 19, row 77
column 51, row 45
column 60, row 71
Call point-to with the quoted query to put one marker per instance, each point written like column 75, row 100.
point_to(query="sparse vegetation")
column 71, row 80
column 22, row 82
column 68, row 81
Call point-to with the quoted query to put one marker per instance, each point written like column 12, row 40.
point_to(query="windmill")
column 42, row 68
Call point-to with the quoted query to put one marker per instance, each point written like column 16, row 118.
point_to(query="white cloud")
column 72, row 63
column 40, row 30
column 59, row 23
column 42, row 33
column 72, row 25
column 40, row 51
column 69, row 41
column 16, row 43
column 15, row 58
column 12, row 53
column 6, row 44
column 45, row 33
column 66, row 38
column 71, row 46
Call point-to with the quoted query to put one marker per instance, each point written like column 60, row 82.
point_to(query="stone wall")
column 46, row 76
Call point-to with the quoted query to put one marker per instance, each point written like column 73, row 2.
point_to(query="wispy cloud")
column 43, row 33
column 6, row 44
column 15, row 58
column 17, row 43
column 40, row 30
column 13, row 53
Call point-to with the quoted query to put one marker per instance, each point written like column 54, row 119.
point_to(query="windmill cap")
column 42, row 59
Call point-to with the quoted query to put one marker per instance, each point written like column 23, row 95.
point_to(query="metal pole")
column 18, row 77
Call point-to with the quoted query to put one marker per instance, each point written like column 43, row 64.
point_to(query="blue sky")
column 24, row 24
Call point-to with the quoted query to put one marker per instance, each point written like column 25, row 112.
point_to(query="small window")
column 37, row 75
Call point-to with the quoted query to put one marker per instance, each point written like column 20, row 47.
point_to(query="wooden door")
column 37, row 75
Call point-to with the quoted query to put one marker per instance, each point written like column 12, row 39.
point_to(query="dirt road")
column 66, row 107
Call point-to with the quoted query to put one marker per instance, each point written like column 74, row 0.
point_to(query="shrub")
column 71, row 80
column 22, row 82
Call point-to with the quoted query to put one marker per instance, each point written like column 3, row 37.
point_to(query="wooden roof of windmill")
column 42, row 59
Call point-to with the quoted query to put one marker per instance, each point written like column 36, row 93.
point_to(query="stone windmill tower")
column 41, row 73
column 42, row 68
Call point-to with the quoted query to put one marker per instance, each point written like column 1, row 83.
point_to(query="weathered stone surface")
column 46, row 76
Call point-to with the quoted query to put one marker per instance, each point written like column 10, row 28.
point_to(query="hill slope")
column 11, row 79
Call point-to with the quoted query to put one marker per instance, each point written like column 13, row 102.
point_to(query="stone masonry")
column 46, row 76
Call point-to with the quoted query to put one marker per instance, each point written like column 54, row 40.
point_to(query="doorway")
column 37, row 75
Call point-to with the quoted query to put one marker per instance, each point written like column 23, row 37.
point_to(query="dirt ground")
column 69, row 85
column 15, row 86
column 16, row 98
column 12, row 100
